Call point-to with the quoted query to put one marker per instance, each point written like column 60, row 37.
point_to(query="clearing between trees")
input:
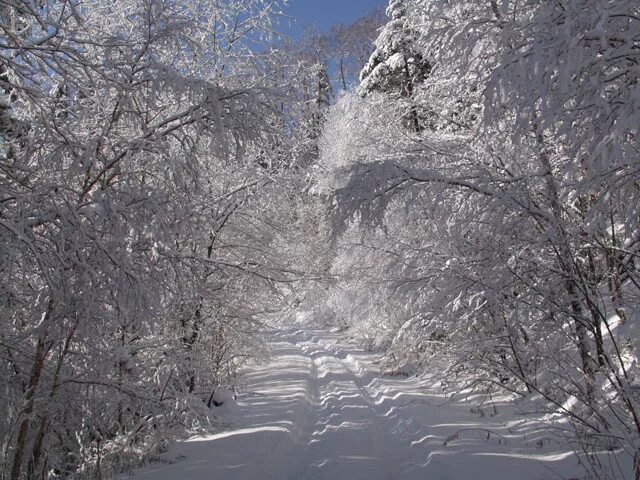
column 320, row 409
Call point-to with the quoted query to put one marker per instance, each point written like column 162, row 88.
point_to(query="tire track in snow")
column 349, row 420
column 320, row 410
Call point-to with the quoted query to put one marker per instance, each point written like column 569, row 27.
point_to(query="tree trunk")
column 38, row 443
column 344, row 81
column 516, row 356
column 566, row 264
column 30, row 395
column 407, row 92
column 36, row 452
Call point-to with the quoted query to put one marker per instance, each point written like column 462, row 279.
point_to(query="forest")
column 454, row 184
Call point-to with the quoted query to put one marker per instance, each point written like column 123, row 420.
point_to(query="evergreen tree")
column 319, row 102
column 397, row 65
column 317, row 93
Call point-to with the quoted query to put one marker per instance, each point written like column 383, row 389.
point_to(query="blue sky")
column 325, row 13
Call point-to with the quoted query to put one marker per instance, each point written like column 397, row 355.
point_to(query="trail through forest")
column 320, row 409
column 453, row 183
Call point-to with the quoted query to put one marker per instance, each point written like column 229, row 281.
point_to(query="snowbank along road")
column 319, row 409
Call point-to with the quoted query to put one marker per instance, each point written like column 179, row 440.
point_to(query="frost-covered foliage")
column 353, row 44
column 140, row 222
column 505, row 229
column 396, row 65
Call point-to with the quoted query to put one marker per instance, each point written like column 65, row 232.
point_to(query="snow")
column 319, row 409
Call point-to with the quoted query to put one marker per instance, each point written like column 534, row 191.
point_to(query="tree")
column 353, row 45
column 398, row 63
column 512, row 277
column 316, row 89
column 135, row 222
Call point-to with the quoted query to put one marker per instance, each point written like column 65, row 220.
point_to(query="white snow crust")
column 320, row 409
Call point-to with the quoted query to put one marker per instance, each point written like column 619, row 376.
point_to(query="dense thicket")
column 143, row 165
column 491, row 165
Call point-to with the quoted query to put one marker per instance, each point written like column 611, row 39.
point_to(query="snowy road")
column 320, row 410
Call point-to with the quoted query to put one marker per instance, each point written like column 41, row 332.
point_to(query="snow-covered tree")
column 139, row 232
column 398, row 63
column 514, row 277
column 353, row 45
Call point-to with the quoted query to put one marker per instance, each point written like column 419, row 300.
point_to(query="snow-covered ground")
column 319, row 409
